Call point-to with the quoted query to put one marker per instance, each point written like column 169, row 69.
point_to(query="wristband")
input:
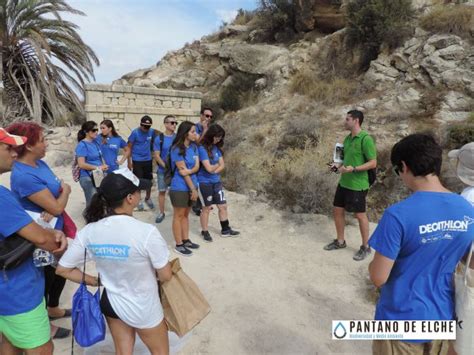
column 354, row 169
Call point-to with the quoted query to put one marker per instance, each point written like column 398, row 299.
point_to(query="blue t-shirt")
column 21, row 288
column 167, row 143
column 426, row 234
column 26, row 180
column 205, row 177
column 199, row 128
column 178, row 183
column 110, row 150
column 91, row 152
column 141, row 148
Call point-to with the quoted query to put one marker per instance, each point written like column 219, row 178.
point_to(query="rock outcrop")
column 425, row 84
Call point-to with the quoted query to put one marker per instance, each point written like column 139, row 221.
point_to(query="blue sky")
column 132, row 34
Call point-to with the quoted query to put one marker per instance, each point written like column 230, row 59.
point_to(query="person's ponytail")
column 81, row 135
column 97, row 209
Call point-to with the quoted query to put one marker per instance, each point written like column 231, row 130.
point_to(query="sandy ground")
column 273, row 290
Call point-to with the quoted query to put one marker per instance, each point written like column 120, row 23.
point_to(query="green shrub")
column 243, row 17
column 277, row 15
column 300, row 132
column 460, row 134
column 455, row 19
column 296, row 180
column 373, row 23
column 237, row 92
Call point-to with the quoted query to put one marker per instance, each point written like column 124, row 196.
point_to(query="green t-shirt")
column 357, row 151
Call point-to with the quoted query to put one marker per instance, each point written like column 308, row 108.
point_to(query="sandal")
column 61, row 333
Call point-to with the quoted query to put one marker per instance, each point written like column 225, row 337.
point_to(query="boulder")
column 444, row 40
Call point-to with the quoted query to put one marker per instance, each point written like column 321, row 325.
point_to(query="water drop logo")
column 340, row 331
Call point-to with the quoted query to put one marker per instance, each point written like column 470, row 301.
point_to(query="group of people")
column 191, row 155
column 418, row 242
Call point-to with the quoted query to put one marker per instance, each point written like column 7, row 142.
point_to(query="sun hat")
column 120, row 183
column 11, row 139
column 465, row 166
column 146, row 121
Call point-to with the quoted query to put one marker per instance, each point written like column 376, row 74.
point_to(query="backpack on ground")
column 372, row 173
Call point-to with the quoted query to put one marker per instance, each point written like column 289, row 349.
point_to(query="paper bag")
column 184, row 306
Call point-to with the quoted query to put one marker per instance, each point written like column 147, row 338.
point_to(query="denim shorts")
column 160, row 179
column 88, row 188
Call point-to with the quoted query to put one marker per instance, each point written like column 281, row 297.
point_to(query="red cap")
column 11, row 139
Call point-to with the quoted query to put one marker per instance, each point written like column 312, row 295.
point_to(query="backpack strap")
column 162, row 138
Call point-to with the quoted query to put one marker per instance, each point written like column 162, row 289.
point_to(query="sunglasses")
column 172, row 122
column 397, row 170
column 94, row 130
column 208, row 116
column 144, row 126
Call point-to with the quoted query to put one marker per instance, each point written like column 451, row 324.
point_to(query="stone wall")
column 125, row 105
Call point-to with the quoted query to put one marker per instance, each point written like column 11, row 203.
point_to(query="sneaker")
column 229, row 233
column 206, row 236
column 160, row 218
column 181, row 249
column 140, row 206
column 150, row 204
column 189, row 244
column 335, row 245
column 362, row 253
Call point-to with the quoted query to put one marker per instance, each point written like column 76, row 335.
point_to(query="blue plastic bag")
column 87, row 319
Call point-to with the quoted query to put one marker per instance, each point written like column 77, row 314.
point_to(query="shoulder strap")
column 162, row 138
column 362, row 147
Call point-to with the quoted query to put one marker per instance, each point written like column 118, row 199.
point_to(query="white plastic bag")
column 464, row 283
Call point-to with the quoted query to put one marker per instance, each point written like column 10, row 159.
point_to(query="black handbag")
column 14, row 250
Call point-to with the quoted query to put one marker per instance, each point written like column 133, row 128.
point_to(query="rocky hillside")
column 283, row 103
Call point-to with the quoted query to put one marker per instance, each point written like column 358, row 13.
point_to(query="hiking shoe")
column 140, row 206
column 229, row 233
column 335, row 245
column 362, row 253
column 160, row 218
column 150, row 204
column 206, row 236
column 189, row 244
column 181, row 249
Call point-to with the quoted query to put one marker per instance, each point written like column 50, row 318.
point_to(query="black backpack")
column 14, row 250
column 169, row 172
column 372, row 173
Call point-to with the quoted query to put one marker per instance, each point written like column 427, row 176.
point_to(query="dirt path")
column 274, row 290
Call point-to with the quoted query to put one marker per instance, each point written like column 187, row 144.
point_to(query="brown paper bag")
column 184, row 306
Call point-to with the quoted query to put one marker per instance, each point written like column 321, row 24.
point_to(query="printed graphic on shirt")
column 444, row 228
column 109, row 251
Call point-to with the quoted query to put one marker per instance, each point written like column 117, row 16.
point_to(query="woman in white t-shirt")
column 128, row 254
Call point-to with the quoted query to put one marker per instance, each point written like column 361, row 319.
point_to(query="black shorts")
column 350, row 200
column 143, row 169
column 106, row 307
column 212, row 194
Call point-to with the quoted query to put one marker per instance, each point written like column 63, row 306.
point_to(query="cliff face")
column 293, row 98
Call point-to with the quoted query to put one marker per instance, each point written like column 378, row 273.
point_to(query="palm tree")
column 45, row 62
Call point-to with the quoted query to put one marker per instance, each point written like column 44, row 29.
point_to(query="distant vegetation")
column 377, row 23
column 454, row 19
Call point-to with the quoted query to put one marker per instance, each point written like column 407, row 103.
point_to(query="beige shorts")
column 397, row 347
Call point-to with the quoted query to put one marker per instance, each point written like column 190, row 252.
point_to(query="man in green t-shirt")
column 359, row 156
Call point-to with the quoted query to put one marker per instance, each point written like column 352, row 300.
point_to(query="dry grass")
column 455, row 19
column 331, row 91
